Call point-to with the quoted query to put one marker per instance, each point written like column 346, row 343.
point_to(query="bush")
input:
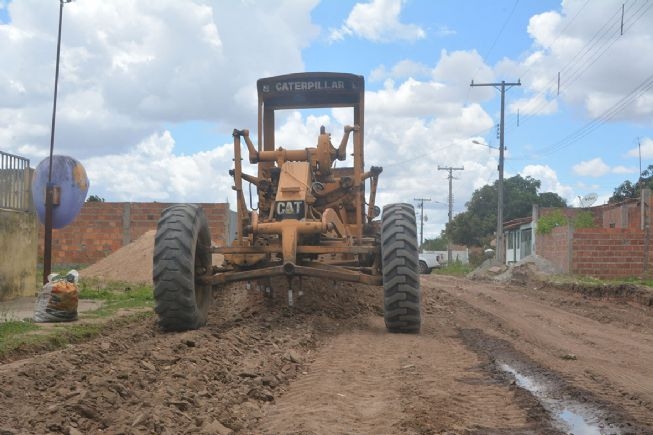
column 584, row 219
column 546, row 223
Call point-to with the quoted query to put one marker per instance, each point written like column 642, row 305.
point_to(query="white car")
column 428, row 262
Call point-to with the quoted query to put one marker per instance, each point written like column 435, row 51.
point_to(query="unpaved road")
column 490, row 359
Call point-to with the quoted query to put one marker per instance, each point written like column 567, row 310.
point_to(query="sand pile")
column 131, row 263
column 529, row 268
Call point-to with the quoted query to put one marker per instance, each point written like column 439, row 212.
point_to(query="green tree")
column 628, row 190
column 437, row 244
column 477, row 225
column 95, row 198
column 550, row 199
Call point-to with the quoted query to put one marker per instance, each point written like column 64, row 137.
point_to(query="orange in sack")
column 58, row 299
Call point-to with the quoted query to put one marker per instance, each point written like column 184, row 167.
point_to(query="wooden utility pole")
column 421, row 215
column 500, row 248
column 450, row 177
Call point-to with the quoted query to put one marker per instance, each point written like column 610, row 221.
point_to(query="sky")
column 149, row 92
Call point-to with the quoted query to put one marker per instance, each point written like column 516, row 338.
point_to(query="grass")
column 593, row 281
column 456, row 268
column 116, row 296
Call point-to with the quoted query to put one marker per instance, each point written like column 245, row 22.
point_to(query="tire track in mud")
column 500, row 335
column 370, row 381
column 341, row 394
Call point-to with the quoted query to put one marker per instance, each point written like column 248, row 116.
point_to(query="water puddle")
column 573, row 417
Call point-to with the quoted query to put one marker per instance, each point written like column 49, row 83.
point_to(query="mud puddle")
column 570, row 416
column 545, row 393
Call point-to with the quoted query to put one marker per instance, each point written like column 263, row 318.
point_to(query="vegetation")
column 546, row 223
column 437, row 244
column 477, row 225
column 95, row 198
column 115, row 296
column 584, row 219
column 456, row 268
column 628, row 190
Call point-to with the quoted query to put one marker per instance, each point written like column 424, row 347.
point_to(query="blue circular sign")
column 70, row 180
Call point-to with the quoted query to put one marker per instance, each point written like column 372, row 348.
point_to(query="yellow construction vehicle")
column 313, row 219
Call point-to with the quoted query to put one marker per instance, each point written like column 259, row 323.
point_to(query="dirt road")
column 490, row 359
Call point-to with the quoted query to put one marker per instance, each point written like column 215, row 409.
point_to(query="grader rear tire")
column 182, row 248
column 400, row 267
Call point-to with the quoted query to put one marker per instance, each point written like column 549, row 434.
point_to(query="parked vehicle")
column 429, row 261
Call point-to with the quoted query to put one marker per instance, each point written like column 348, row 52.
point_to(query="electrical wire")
column 592, row 51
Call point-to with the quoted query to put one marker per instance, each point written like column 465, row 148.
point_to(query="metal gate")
column 15, row 182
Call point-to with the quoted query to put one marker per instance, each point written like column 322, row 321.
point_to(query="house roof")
column 516, row 223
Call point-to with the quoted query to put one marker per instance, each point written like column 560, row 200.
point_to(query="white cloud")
column 128, row 68
column 132, row 69
column 454, row 68
column 537, row 104
column 401, row 70
column 151, row 171
column 624, row 170
column 591, row 168
column 645, row 147
column 443, row 31
column 549, row 180
column 377, row 21
column 590, row 54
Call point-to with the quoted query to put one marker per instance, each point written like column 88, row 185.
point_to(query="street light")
column 484, row 144
column 49, row 189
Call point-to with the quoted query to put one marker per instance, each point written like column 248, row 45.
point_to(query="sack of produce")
column 57, row 301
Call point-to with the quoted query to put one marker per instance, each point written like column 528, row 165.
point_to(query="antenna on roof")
column 587, row 200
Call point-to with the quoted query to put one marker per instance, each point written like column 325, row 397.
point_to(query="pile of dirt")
column 131, row 263
column 531, row 268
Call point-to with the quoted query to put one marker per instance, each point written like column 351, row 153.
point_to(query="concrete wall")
column 104, row 227
column 18, row 244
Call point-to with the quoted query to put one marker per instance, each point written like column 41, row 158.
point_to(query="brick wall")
column 608, row 252
column 555, row 247
column 104, row 227
column 599, row 252
column 623, row 216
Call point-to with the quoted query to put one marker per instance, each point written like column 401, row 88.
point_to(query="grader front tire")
column 400, row 267
column 182, row 247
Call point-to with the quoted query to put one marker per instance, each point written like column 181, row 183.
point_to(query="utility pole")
column 421, row 215
column 49, row 189
column 450, row 177
column 500, row 257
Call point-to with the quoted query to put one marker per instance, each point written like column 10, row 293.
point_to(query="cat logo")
column 290, row 209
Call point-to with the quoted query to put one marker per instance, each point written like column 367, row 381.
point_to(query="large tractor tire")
column 400, row 267
column 182, row 249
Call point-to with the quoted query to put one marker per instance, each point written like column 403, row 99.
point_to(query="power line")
column 610, row 113
column 602, row 40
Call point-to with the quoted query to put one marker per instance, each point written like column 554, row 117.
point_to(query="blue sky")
column 149, row 92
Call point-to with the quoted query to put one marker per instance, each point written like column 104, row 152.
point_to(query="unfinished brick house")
column 617, row 246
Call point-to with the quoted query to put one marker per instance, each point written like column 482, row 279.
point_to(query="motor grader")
column 313, row 218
